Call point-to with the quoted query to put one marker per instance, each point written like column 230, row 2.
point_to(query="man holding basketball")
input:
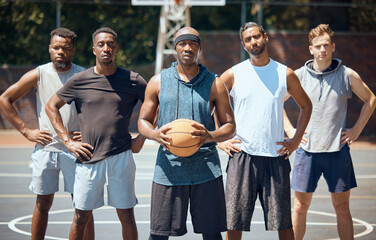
column 258, row 163
column 187, row 90
column 325, row 149
column 50, row 155
column 104, row 96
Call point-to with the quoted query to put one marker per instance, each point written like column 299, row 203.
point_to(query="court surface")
column 17, row 202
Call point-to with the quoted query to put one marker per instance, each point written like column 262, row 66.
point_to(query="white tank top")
column 49, row 81
column 258, row 95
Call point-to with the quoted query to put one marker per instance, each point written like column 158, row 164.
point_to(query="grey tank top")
column 191, row 100
column 49, row 81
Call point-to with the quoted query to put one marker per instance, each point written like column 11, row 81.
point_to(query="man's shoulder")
column 242, row 63
column 45, row 66
column 130, row 75
column 77, row 68
column 84, row 73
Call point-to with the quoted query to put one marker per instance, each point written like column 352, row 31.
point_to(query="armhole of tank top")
column 232, row 91
column 38, row 80
column 346, row 78
column 160, row 94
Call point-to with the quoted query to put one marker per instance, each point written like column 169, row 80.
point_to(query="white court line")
column 143, row 175
column 147, row 222
column 12, row 224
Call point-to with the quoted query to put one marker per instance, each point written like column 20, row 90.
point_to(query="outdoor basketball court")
column 17, row 202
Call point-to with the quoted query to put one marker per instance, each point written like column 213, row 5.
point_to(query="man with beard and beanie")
column 325, row 149
column 104, row 96
column 50, row 155
column 187, row 90
column 258, row 162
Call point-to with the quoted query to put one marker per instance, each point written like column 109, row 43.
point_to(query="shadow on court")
column 17, row 202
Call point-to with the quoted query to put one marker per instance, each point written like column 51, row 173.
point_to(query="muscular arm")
column 11, row 95
column 77, row 147
column 301, row 98
column 138, row 142
column 225, row 116
column 227, row 78
column 148, row 114
column 369, row 103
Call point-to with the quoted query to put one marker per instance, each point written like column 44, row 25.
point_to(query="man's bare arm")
column 301, row 98
column 369, row 103
column 77, row 147
column 11, row 95
column 148, row 114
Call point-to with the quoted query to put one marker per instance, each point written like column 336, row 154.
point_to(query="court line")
column 147, row 222
column 149, row 196
column 369, row 227
column 148, row 176
column 12, row 224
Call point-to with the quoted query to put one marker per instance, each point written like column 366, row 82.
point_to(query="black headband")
column 188, row 36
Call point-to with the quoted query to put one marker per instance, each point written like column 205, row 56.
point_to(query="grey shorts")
column 117, row 172
column 169, row 208
column 267, row 177
column 46, row 170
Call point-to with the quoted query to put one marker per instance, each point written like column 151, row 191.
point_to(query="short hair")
column 319, row 31
column 64, row 33
column 249, row 25
column 105, row 30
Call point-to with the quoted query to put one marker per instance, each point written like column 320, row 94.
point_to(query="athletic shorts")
column 46, row 170
column 267, row 177
column 117, row 172
column 169, row 208
column 337, row 168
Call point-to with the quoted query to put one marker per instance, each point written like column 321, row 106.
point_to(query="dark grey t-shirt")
column 104, row 106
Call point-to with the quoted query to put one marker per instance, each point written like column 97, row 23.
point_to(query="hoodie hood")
column 194, row 81
column 336, row 63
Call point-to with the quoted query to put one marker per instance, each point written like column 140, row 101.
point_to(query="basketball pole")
column 173, row 16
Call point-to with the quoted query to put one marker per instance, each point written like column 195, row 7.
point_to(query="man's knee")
column 82, row 217
column 126, row 216
column 342, row 208
column 44, row 202
column 301, row 207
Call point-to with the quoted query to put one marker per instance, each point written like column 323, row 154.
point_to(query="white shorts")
column 117, row 172
column 46, row 169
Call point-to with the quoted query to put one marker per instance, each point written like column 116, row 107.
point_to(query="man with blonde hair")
column 325, row 146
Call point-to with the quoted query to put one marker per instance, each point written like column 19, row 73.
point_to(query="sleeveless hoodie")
column 329, row 92
column 190, row 100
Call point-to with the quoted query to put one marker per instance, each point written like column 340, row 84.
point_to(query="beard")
column 60, row 65
column 259, row 51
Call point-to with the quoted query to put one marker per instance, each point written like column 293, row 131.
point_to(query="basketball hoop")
column 174, row 15
column 179, row 2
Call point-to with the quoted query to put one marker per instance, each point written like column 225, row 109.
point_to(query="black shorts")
column 169, row 208
column 267, row 177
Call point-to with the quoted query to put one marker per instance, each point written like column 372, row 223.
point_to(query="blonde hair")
column 319, row 31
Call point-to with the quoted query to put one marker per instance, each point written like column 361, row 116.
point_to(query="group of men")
column 84, row 118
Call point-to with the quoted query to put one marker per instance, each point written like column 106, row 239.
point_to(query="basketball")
column 182, row 143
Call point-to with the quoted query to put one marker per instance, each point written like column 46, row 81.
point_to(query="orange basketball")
column 182, row 143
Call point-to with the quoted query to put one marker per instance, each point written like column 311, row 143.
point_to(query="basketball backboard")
column 185, row 2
